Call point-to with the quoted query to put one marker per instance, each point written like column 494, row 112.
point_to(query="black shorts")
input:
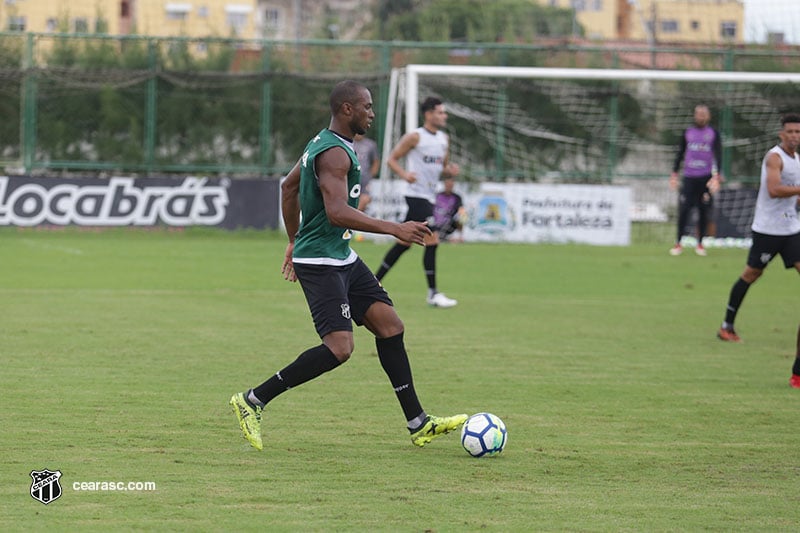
column 766, row 247
column 420, row 210
column 694, row 192
column 337, row 295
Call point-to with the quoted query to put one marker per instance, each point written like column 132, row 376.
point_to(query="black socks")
column 308, row 365
column 429, row 263
column 738, row 291
column 391, row 258
column 394, row 360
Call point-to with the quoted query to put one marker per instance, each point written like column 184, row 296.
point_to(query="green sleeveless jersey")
column 317, row 240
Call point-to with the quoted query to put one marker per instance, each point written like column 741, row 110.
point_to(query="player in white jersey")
column 427, row 155
column 776, row 228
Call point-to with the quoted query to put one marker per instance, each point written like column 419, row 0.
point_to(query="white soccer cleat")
column 440, row 300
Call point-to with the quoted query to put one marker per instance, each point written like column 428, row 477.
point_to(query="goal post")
column 617, row 118
column 415, row 71
column 586, row 125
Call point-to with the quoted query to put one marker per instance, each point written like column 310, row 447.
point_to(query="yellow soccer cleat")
column 249, row 419
column 435, row 426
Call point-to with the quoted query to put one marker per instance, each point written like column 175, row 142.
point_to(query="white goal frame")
column 404, row 88
column 413, row 72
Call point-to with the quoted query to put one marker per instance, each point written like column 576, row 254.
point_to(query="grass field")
column 120, row 350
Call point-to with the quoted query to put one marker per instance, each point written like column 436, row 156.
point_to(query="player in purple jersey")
column 448, row 210
column 700, row 150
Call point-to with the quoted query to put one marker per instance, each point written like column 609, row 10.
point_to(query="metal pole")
column 29, row 90
column 150, row 106
column 265, row 128
column 613, row 126
column 726, row 126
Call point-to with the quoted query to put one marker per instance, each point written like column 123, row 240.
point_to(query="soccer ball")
column 483, row 435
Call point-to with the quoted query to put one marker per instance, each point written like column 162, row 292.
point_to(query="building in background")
column 308, row 19
column 659, row 21
column 687, row 21
column 245, row 19
column 649, row 21
column 189, row 18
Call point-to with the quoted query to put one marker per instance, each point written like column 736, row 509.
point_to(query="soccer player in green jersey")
column 324, row 186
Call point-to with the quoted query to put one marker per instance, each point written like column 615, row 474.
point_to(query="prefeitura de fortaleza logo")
column 45, row 486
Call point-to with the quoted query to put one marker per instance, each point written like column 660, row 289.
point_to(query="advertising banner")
column 530, row 212
column 152, row 201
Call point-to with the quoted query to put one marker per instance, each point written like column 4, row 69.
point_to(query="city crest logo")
column 45, row 486
column 492, row 215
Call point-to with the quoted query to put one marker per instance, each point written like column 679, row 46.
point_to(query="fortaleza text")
column 577, row 220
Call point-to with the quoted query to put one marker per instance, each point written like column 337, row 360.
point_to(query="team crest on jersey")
column 45, row 486
column 355, row 192
column 346, row 311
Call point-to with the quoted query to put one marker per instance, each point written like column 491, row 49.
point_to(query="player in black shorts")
column 766, row 247
column 776, row 227
column 325, row 187
column 427, row 156
column 420, row 210
column 325, row 287
column 700, row 150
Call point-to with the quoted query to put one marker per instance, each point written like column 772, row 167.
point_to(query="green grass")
column 120, row 350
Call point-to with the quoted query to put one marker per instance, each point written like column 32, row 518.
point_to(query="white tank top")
column 778, row 216
column 426, row 159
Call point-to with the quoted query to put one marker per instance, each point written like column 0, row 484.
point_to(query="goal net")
column 560, row 125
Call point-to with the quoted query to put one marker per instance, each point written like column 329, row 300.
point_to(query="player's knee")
column 393, row 330
column 342, row 357
column 340, row 346
column 750, row 275
column 342, row 353
column 389, row 328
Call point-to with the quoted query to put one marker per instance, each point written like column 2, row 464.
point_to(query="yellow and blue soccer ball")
column 483, row 435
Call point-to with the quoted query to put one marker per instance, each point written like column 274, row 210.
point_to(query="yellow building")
column 598, row 17
column 688, row 21
column 197, row 18
column 189, row 18
column 659, row 21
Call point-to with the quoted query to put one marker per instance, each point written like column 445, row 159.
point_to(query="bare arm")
column 449, row 170
column 290, row 201
column 332, row 167
column 774, row 186
column 406, row 144
column 290, row 206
